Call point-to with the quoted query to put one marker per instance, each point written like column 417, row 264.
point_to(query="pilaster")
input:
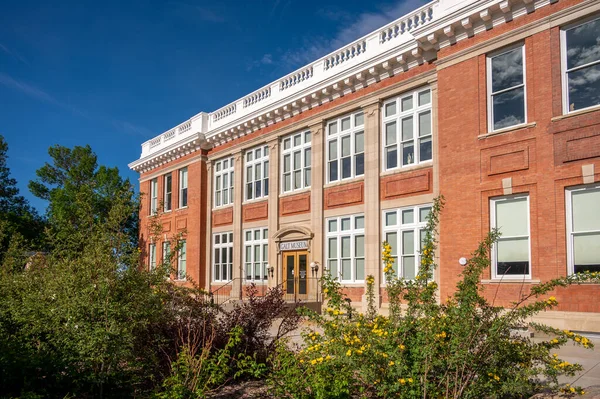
column 209, row 238
column 238, row 193
column 273, row 209
column 372, row 204
column 316, row 199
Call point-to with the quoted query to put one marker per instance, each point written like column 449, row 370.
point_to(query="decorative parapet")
column 400, row 45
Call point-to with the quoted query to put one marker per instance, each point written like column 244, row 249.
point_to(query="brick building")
column 494, row 104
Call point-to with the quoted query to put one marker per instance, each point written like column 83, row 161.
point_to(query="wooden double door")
column 295, row 274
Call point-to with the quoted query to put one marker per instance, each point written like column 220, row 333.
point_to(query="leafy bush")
column 463, row 347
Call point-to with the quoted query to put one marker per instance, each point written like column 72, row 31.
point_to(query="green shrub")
column 463, row 347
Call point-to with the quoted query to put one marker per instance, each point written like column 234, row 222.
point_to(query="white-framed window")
column 153, row 196
column 506, row 88
column 256, row 255
column 404, row 230
column 152, row 256
column 166, row 251
column 168, row 191
column 296, row 161
column 583, row 228
column 181, row 260
column 223, row 182
column 257, row 172
column 183, row 187
column 406, row 135
column 346, row 147
column 345, row 248
column 511, row 255
column 223, row 257
column 580, row 53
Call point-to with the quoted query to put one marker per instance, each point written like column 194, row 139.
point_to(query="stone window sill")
column 345, row 181
column 509, row 281
column 507, row 130
column 422, row 165
column 576, row 113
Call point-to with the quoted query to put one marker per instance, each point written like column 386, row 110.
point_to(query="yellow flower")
column 349, row 353
column 391, row 363
column 313, row 362
column 410, row 380
column 401, row 347
column 402, row 381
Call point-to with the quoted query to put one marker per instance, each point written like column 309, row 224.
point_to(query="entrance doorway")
column 295, row 275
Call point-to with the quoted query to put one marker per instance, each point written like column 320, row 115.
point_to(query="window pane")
column 424, row 97
column 248, row 253
column 407, row 103
column 425, row 124
column 297, row 160
column 333, row 128
column 391, row 156
column 359, row 119
column 584, row 87
column 345, row 224
column 511, row 217
column 408, row 263
column 408, row 153
column 265, row 234
column 423, row 213
column 513, row 256
column 307, row 159
column 390, row 219
column 333, row 171
column 359, row 222
column 392, row 239
column 287, row 144
column 359, row 142
column 586, row 210
column 390, row 133
column 345, row 124
column 509, row 108
column 408, row 242
column 298, row 179
column 359, row 164
column 425, row 149
column 332, row 248
column 507, row 70
column 407, row 128
column 346, row 167
column 332, row 225
column 345, row 247
column 249, row 156
column 345, row 146
column 360, row 269
column 390, row 109
column 307, row 137
column 586, row 249
column 346, row 269
column 332, row 149
column 287, row 182
column 359, row 246
column 333, row 270
column 583, row 44
column 248, row 235
column 257, row 235
column 408, row 216
column 307, row 177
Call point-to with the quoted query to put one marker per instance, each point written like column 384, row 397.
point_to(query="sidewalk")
column 588, row 358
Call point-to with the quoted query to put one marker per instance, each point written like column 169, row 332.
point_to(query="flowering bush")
column 463, row 347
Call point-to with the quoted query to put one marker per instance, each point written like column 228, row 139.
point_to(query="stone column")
column 238, row 195
column 273, row 216
column 209, row 238
column 316, row 202
column 372, row 204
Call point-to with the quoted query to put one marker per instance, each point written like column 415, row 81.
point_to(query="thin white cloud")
column 13, row 54
column 28, row 90
column 316, row 47
column 266, row 59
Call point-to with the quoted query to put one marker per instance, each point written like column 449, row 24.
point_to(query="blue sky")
column 113, row 74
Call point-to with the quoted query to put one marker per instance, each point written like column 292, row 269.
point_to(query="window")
column 346, row 147
column 581, row 65
column 404, row 230
column 181, row 260
column 183, row 187
column 510, row 255
column 168, row 192
column 257, row 173
column 583, row 229
column 153, row 196
column 506, row 88
column 166, row 252
column 407, row 129
column 224, row 182
column 152, row 256
column 296, row 162
column 256, row 254
column 345, row 246
column 223, row 259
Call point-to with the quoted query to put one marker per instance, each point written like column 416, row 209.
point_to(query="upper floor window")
column 183, row 187
column 407, row 129
column 152, row 256
column 581, row 65
column 182, row 260
column 346, row 147
column 506, row 88
column 583, row 228
column 168, row 191
column 223, row 256
column 404, row 230
column 153, row 196
column 257, row 173
column 511, row 254
column 256, row 246
column 224, row 182
column 296, row 158
column 345, row 242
